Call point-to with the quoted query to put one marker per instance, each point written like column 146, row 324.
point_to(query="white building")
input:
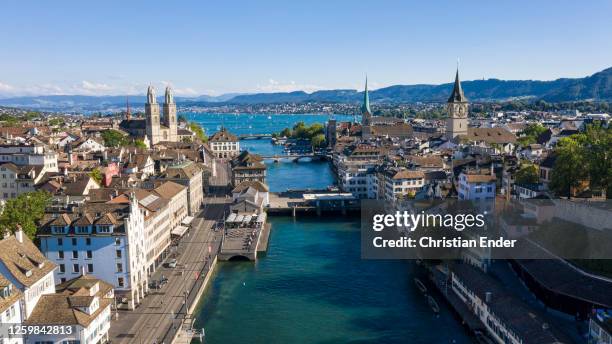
column 15, row 180
column 402, row 183
column 189, row 174
column 10, row 309
column 476, row 186
column 26, row 154
column 224, row 144
column 82, row 304
column 27, row 269
column 106, row 240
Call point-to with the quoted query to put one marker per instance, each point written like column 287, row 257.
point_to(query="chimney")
column 19, row 234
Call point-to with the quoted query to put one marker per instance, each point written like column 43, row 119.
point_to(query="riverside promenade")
column 160, row 316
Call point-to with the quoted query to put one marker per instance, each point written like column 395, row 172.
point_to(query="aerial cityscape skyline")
column 214, row 49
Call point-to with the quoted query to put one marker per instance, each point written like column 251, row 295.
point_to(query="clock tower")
column 457, row 107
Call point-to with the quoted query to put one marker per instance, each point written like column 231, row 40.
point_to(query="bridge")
column 293, row 156
column 254, row 136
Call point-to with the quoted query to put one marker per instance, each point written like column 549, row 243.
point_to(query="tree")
column 25, row 210
column 527, row 175
column 113, row 138
column 197, row 129
column 56, row 122
column 140, row 144
column 286, row 133
column 568, row 171
column 96, row 175
column 318, row 141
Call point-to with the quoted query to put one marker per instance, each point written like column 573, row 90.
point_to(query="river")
column 312, row 286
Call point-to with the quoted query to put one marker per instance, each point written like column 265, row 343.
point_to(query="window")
column 88, row 241
column 75, row 268
column 60, row 241
column 74, row 241
column 118, row 253
column 63, row 279
column 119, row 267
column 60, row 254
column 75, row 254
column 117, row 241
column 120, row 281
column 89, row 254
column 62, row 268
column 105, row 229
column 90, row 268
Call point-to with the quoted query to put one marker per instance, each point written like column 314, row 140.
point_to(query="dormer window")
column 83, row 229
column 104, row 228
column 59, row 229
column 7, row 290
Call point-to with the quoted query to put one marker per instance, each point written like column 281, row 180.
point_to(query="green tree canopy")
column 527, row 175
column 140, row 144
column 25, row 210
column 96, row 175
column 114, row 138
column 318, row 141
column 197, row 129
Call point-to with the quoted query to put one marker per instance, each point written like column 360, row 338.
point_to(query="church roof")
column 365, row 107
column 457, row 96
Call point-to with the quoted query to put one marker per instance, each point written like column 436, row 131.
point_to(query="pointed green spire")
column 457, row 95
column 365, row 108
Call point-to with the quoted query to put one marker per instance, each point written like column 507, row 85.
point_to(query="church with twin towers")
column 161, row 128
column 157, row 126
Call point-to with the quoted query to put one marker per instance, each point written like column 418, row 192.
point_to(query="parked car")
column 171, row 263
column 154, row 285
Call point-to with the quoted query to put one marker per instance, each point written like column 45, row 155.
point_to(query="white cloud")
column 277, row 86
column 89, row 88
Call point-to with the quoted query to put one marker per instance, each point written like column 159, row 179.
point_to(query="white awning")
column 179, row 231
column 247, row 218
column 231, row 217
column 239, row 218
column 187, row 220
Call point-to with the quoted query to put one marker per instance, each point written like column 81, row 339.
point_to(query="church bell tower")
column 152, row 116
column 170, row 115
column 457, row 107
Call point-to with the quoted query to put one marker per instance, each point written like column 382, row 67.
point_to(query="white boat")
column 269, row 117
column 433, row 304
column 420, row 285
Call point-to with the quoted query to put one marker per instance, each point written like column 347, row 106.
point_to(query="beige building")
column 189, row 174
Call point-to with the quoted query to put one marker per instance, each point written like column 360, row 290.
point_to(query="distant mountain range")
column 595, row 87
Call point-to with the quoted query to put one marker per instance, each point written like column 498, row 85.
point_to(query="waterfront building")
column 10, row 308
column 224, row 144
column 189, row 174
column 248, row 167
column 84, row 303
column 476, row 186
column 250, row 196
column 356, row 170
column 600, row 327
column 105, row 240
column 506, row 318
column 27, row 269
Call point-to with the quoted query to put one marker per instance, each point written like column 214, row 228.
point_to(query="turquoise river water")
column 312, row 286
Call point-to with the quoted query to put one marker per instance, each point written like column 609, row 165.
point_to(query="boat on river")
column 433, row 304
column 420, row 285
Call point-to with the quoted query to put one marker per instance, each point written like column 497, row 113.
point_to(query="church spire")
column 151, row 99
column 365, row 108
column 169, row 96
column 128, row 115
column 457, row 95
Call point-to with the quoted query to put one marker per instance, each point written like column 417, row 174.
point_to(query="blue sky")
column 201, row 47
